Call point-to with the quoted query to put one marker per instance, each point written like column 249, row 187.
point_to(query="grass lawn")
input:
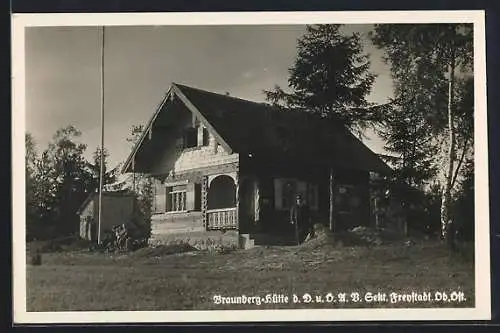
column 144, row 280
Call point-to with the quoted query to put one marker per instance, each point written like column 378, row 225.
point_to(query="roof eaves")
column 85, row 202
column 382, row 167
column 138, row 144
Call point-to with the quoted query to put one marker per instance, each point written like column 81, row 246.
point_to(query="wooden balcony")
column 221, row 219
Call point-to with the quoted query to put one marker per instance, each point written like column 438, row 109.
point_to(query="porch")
column 234, row 202
column 220, row 202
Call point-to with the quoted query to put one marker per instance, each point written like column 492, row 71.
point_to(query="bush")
column 141, row 219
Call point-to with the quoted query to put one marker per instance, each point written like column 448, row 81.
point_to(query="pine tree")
column 330, row 77
column 95, row 169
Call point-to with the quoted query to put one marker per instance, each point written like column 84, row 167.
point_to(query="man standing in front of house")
column 300, row 217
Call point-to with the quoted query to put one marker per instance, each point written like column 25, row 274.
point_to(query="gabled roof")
column 247, row 127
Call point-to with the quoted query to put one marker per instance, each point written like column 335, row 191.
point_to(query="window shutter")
column 190, row 197
column 168, row 199
column 277, row 193
column 160, row 197
column 197, row 197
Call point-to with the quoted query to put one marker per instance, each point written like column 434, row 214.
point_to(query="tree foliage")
column 65, row 154
column 57, row 183
column 135, row 134
column 330, row 77
column 142, row 187
column 32, row 208
column 95, row 169
column 431, row 66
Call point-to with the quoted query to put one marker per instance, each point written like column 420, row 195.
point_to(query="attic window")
column 190, row 138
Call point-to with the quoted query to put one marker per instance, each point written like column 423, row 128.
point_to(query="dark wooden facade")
column 243, row 173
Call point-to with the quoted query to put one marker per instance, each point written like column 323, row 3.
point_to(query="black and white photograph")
column 183, row 167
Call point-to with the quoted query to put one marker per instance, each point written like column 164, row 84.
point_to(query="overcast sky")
column 63, row 82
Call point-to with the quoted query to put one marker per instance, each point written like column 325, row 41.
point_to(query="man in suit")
column 300, row 217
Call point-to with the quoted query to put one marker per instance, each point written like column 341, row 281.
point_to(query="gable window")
column 190, row 137
column 176, row 198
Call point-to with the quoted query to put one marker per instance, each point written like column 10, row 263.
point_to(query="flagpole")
column 101, row 171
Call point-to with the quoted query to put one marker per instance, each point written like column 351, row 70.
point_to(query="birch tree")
column 439, row 57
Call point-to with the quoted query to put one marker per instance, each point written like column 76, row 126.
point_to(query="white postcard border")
column 482, row 311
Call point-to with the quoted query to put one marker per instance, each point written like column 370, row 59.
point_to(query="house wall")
column 165, row 223
column 87, row 212
column 178, row 165
column 275, row 218
column 116, row 210
column 174, row 223
column 352, row 199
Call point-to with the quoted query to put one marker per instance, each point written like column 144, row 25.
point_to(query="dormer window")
column 190, row 137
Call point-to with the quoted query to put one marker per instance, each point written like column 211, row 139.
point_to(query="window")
column 286, row 189
column 176, row 198
column 190, row 138
column 347, row 199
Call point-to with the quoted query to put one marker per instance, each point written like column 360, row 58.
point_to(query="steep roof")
column 261, row 130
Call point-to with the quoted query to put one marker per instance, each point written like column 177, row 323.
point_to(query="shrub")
column 141, row 219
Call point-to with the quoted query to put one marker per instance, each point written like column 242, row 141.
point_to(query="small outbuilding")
column 117, row 208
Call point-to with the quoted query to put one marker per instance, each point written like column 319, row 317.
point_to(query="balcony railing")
column 219, row 219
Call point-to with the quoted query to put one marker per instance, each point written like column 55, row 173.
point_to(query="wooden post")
column 101, row 171
column 237, row 199
column 332, row 198
column 133, row 174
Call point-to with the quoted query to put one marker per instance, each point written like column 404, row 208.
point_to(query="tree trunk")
column 447, row 230
column 332, row 198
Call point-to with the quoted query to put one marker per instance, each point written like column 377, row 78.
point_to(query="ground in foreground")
column 149, row 281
